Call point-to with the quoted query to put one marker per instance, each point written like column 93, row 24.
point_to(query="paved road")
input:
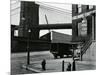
column 18, row 59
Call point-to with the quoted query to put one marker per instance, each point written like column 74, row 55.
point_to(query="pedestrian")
column 69, row 67
column 74, row 66
column 43, row 64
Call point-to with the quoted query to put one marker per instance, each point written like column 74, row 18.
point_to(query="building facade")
column 83, row 20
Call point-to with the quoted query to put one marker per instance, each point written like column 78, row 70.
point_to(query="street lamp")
column 73, row 63
column 28, row 50
column 72, row 52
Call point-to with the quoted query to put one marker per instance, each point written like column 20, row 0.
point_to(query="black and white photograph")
column 51, row 37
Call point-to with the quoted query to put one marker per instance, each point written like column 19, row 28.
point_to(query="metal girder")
column 54, row 26
column 50, row 26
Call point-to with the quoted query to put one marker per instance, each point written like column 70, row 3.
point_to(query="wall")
column 78, row 17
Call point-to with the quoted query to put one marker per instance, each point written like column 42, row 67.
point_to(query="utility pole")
column 73, row 52
column 28, row 50
column 81, row 55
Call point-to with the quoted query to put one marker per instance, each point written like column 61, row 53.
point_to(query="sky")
column 15, row 9
column 15, row 13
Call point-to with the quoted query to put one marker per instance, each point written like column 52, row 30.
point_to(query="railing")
column 86, row 45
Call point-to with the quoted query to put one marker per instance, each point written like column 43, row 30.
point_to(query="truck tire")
column 61, row 56
column 55, row 56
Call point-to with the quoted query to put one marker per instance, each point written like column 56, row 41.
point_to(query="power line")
column 48, row 9
column 51, row 7
column 54, row 2
column 47, row 5
column 43, row 4
column 58, row 11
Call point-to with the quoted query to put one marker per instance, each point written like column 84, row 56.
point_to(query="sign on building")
column 82, row 28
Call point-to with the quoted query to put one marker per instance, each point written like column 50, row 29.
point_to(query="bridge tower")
column 29, row 17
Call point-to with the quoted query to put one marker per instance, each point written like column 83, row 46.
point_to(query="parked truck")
column 62, row 49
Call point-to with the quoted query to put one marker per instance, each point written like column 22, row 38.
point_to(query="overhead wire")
column 53, row 7
column 58, row 11
column 55, row 2
column 50, row 8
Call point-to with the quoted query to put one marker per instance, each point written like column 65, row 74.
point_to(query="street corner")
column 85, row 65
column 48, row 66
column 32, row 68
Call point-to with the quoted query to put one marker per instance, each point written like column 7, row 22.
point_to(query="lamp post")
column 73, row 52
column 73, row 64
column 28, row 50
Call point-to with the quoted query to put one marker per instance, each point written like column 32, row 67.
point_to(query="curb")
column 31, row 69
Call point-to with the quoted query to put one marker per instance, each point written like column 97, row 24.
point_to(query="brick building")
column 83, row 19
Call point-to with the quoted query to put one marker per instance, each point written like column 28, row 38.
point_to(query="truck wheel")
column 61, row 56
column 55, row 56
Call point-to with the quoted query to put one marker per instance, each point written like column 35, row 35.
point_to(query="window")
column 90, row 6
column 76, row 10
column 79, row 8
column 15, row 32
column 87, row 7
column 82, row 27
column 79, row 29
column 23, row 18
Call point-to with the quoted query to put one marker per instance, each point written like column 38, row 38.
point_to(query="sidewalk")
column 85, row 65
column 51, row 65
column 56, row 65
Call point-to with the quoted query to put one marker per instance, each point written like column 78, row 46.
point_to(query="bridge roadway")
column 48, row 26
